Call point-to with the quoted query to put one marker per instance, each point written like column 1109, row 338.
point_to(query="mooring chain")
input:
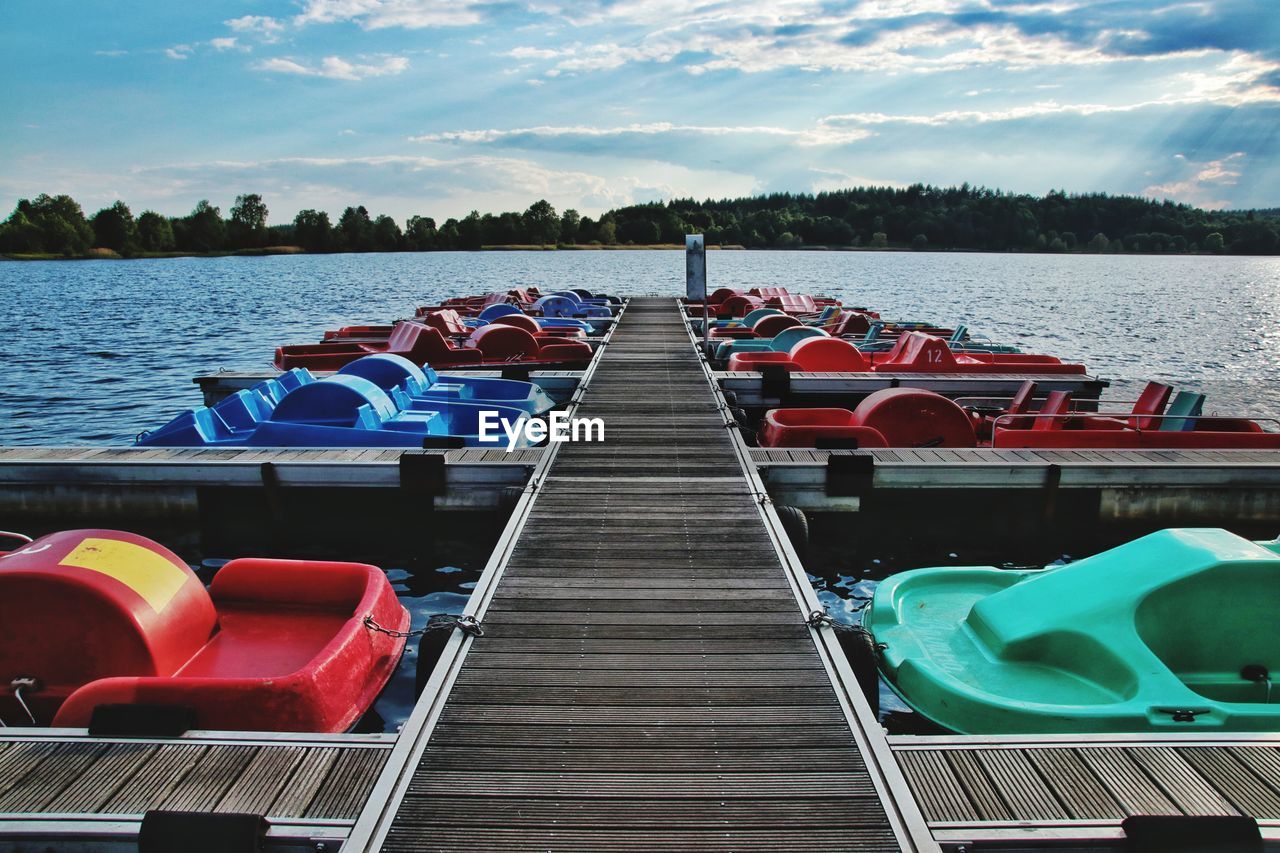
column 819, row 618
column 435, row 622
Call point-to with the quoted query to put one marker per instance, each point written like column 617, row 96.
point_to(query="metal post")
column 695, row 268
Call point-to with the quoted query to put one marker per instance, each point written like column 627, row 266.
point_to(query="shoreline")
column 270, row 251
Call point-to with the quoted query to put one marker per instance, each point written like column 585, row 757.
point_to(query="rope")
column 821, row 618
column 17, row 686
column 435, row 622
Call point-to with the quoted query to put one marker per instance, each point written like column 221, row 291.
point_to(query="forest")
column 918, row 217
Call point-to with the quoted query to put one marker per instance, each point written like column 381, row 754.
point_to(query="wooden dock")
column 1034, row 792
column 174, row 482
column 62, row 789
column 649, row 676
column 646, row 679
column 1158, row 487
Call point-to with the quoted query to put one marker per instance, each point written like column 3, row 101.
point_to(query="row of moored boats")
column 275, row 645
column 1172, row 632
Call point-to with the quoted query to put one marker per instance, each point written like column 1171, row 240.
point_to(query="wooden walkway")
column 646, row 679
column 63, row 784
column 1038, row 789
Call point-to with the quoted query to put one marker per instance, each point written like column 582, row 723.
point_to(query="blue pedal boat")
column 504, row 309
column 339, row 411
column 422, row 388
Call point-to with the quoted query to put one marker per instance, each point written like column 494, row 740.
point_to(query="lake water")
column 100, row 350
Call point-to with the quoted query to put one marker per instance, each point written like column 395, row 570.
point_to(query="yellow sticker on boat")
column 141, row 569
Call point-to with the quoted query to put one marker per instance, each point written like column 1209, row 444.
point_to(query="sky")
column 438, row 107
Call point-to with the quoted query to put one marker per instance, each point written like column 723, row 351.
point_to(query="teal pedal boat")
column 1178, row 631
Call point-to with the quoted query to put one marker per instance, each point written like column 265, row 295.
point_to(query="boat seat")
column 448, row 321
column 1151, row 402
column 295, row 378
column 787, row 338
column 1181, row 414
column 1021, row 402
column 753, row 317
column 738, row 305
column 768, row 327
column 826, row 354
column 1056, row 405
column 520, row 321
column 828, row 313
column 493, row 312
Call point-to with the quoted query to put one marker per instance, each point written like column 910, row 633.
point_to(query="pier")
column 646, row 678
column 651, row 674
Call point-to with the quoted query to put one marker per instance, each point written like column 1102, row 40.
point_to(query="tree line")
column 919, row 217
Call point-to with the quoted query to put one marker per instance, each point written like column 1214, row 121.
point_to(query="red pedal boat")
column 101, row 617
column 496, row 344
column 914, row 352
column 908, row 417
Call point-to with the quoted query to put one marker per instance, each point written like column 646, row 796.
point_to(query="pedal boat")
column 103, row 617
column 339, row 411
column 491, row 345
column 1172, row 632
column 912, row 417
column 423, row 388
column 914, row 352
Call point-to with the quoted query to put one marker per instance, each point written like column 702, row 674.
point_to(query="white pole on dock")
column 695, row 280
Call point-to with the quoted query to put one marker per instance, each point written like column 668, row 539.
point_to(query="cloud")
column 899, row 36
column 382, row 14
column 1218, row 91
column 111, row 53
column 178, row 51
column 403, row 185
column 809, row 137
column 1206, row 181
column 227, row 43
column 336, row 68
column 831, row 180
column 266, row 29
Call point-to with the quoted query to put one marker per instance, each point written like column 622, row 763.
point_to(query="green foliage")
column 933, row 218
column 155, row 234
column 114, row 228
column 386, row 235
column 248, row 225
column 312, row 231
column 355, row 230
column 49, row 224
column 202, row 231
column 569, row 222
column 420, row 234
column 607, row 232
column 541, row 223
